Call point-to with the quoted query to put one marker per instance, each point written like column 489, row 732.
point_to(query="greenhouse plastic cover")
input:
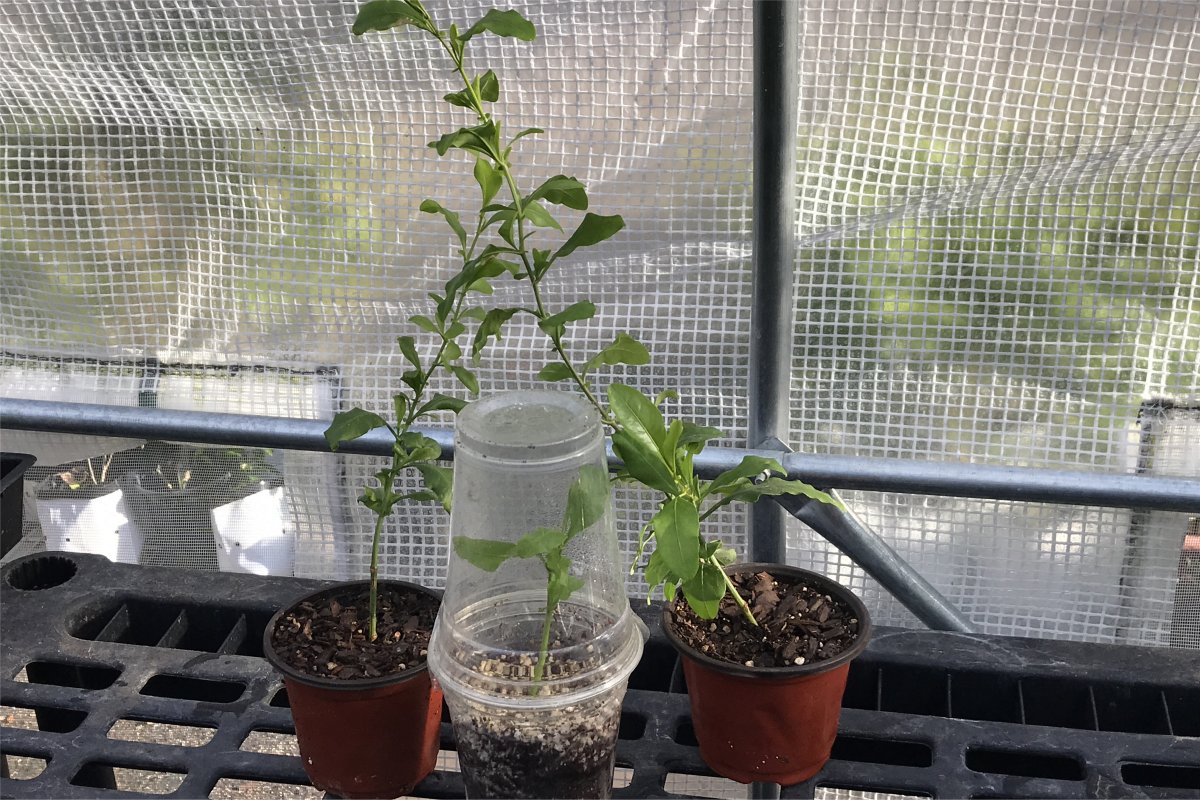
column 213, row 204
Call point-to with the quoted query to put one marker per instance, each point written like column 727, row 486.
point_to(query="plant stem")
column 737, row 597
column 539, row 669
column 373, row 597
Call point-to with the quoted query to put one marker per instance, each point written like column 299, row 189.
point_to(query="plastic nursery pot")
column 770, row 724
column 12, row 504
column 251, row 534
column 368, row 737
column 532, row 721
column 95, row 518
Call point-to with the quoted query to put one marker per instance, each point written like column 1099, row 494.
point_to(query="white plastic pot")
column 91, row 524
column 252, row 537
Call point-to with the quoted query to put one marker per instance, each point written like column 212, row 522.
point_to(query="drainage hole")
column 1167, row 776
column 632, row 726
column 882, row 751
column 43, row 572
column 73, row 676
column 23, row 768
column 703, row 786
column 239, row 788
column 200, row 689
column 830, row 792
column 42, row 718
column 102, row 775
column 1028, row 765
column 136, row 730
column 279, row 744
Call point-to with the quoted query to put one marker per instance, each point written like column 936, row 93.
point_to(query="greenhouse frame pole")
column 776, row 101
column 776, row 95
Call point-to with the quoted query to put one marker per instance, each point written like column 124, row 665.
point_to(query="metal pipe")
column 776, row 94
column 850, row 535
column 868, row 474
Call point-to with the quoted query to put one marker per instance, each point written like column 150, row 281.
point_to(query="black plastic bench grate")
column 90, row 646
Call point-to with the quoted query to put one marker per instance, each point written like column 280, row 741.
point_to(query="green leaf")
column 488, row 178
column 724, row 555
column 466, row 378
column 523, row 134
column 489, row 87
column 671, row 441
column 408, row 346
column 639, row 417
column 400, row 406
column 624, row 350
column 677, row 531
column 452, row 218
column 656, row 571
column 480, row 139
column 451, row 352
column 491, row 327
column 381, row 15
column 562, row 191
column 542, row 260
column 350, row 425
column 705, row 590
column 418, row 447
column 487, row 554
column 540, row 542
column 439, row 481
column 502, row 23
column 665, row 395
column 593, row 230
column 750, row 467
column 773, row 487
column 424, row 323
column 560, row 584
column 587, row 500
column 637, row 441
column 573, row 313
column 555, row 371
column 462, row 99
column 694, row 434
column 442, row 402
column 540, row 217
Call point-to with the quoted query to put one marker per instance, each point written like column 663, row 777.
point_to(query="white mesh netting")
column 213, row 204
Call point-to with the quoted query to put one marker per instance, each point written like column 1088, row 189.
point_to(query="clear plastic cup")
column 533, row 721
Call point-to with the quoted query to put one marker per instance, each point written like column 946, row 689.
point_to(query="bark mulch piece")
column 328, row 638
column 798, row 625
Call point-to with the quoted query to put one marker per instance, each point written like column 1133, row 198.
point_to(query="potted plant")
column 353, row 656
column 209, row 508
column 534, row 676
column 696, row 574
column 83, row 508
column 535, row 641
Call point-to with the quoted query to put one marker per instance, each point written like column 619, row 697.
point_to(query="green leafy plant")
column 500, row 243
column 585, row 507
column 656, row 454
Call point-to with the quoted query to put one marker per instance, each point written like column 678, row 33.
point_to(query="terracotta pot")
column 374, row 737
column 774, row 724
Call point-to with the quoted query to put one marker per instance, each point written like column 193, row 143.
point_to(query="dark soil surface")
column 799, row 625
column 572, row 759
column 328, row 638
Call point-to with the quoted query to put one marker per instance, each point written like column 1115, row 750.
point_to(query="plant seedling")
column 586, row 503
